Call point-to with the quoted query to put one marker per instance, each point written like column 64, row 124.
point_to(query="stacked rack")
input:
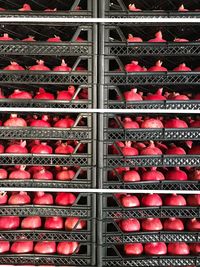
column 149, row 9
column 51, row 42
column 121, row 168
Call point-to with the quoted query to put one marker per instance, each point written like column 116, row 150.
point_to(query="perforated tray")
column 85, row 181
column 38, row 259
column 151, row 212
column 144, row 237
column 44, row 77
column 156, row 78
column 46, row 235
column 82, row 160
column 112, row 161
column 76, row 133
column 152, row 9
column 83, row 207
column 152, row 185
column 67, row 9
column 151, row 134
column 159, row 261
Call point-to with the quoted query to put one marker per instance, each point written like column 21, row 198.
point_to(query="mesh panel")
column 157, row 161
column 162, row 185
column 163, row 212
column 160, row 79
column 44, row 160
column 158, row 261
column 76, row 183
column 115, row 238
column 43, row 78
column 161, row 50
column 191, row 105
column 156, row 134
column 134, row 161
column 44, row 49
column 44, row 133
column 38, row 259
column 38, row 235
column 47, row 104
column 44, row 211
column 151, row 15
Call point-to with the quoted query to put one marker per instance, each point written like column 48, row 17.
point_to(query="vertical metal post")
column 102, row 6
column 99, row 230
column 94, row 229
column 100, row 159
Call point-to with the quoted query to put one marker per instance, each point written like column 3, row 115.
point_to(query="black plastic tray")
column 119, row 9
column 165, row 134
column 57, row 260
column 78, row 182
column 37, row 103
column 28, row 210
column 116, row 44
column 168, row 104
column 152, row 185
column 76, row 133
column 45, row 48
column 159, row 261
column 68, row 32
column 83, row 207
column 82, row 160
column 45, row 77
column 151, row 212
column 47, row 235
column 144, row 237
column 152, row 49
column 64, row 9
column 110, row 93
column 149, row 161
column 156, row 78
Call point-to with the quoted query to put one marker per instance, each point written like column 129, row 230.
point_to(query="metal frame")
column 98, row 206
column 120, row 10
column 91, row 12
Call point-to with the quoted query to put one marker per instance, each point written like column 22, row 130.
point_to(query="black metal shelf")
column 152, row 9
column 155, row 78
column 41, row 14
column 151, row 212
column 82, row 160
column 46, row 235
column 159, row 261
column 33, row 103
column 38, row 259
column 75, row 183
column 51, row 133
column 165, row 134
column 44, row 77
column 151, row 15
column 77, row 8
column 144, row 237
column 46, row 211
column 111, row 93
column 152, row 49
column 152, row 185
column 149, row 161
column 45, row 48
column 168, row 104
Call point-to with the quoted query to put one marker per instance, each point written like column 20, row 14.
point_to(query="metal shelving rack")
column 115, row 52
column 96, row 241
column 150, row 9
column 42, row 25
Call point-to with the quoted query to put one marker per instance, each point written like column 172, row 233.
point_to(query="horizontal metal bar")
column 100, row 20
column 82, row 110
column 99, row 191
